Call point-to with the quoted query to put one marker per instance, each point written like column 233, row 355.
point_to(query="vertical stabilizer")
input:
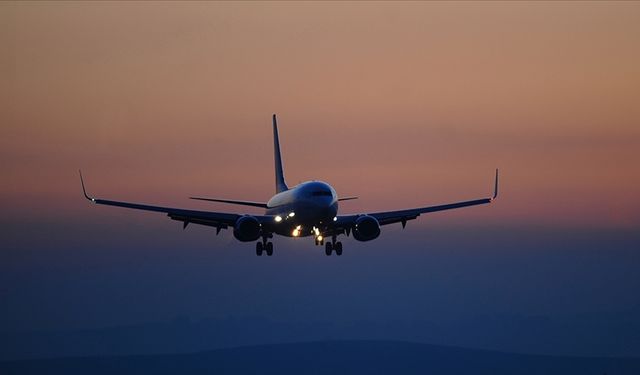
column 280, row 184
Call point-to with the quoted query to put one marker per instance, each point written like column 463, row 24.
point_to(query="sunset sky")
column 401, row 104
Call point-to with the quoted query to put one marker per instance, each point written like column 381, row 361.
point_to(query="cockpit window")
column 321, row 193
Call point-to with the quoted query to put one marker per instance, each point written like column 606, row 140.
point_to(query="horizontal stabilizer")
column 232, row 201
column 347, row 198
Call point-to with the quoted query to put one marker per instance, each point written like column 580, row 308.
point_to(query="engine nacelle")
column 367, row 228
column 246, row 229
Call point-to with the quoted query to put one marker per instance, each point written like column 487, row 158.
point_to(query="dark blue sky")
column 64, row 275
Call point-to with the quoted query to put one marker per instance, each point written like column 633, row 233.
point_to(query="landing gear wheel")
column 338, row 248
column 269, row 248
column 328, row 248
column 259, row 248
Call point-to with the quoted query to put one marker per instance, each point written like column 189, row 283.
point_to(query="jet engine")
column 367, row 228
column 246, row 229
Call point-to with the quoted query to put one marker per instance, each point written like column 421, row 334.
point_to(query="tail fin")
column 280, row 184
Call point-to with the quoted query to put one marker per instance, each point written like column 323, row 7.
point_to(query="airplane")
column 309, row 209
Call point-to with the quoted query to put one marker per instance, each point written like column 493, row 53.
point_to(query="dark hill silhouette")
column 331, row 357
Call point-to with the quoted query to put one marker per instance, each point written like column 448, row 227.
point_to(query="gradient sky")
column 402, row 104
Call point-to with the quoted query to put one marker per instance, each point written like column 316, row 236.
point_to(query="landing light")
column 278, row 219
column 292, row 214
column 320, row 238
column 296, row 231
column 335, row 218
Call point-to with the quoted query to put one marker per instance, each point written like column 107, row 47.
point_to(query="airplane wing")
column 345, row 223
column 219, row 220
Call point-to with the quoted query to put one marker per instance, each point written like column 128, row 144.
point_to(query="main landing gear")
column 333, row 246
column 266, row 246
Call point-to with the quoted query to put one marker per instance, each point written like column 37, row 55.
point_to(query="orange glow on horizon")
column 401, row 104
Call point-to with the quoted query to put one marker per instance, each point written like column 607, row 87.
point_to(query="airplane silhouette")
column 307, row 209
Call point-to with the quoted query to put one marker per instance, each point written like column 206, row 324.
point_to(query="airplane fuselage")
column 302, row 208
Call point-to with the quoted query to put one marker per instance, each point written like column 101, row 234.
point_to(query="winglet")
column 84, row 191
column 495, row 188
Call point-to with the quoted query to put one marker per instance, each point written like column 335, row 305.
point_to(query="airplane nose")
column 326, row 208
column 331, row 209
